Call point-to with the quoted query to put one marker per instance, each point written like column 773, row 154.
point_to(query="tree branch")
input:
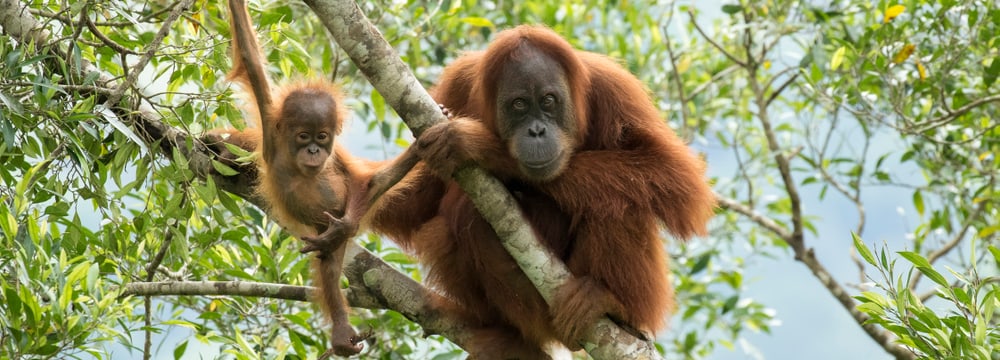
column 882, row 337
column 675, row 73
column 19, row 24
column 753, row 215
column 713, row 81
column 154, row 264
column 218, row 288
column 781, row 88
column 953, row 114
column 104, row 38
column 374, row 285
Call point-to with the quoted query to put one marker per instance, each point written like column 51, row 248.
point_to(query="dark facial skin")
column 535, row 115
column 310, row 126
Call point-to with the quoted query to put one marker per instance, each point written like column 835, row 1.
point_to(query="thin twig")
column 784, row 167
column 742, row 169
column 681, row 98
column 753, row 215
column 854, row 197
column 70, row 88
column 104, row 38
column 67, row 20
column 713, row 43
column 952, row 114
column 715, row 78
column 781, row 88
column 154, row 45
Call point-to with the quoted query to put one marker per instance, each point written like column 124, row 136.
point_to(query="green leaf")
column 224, row 169
column 93, row 273
column 731, row 9
column 991, row 72
column 238, row 151
column 386, row 130
column 12, row 104
column 934, row 275
column 730, row 303
column 918, row 202
column 453, row 355
column 275, row 15
column 980, row 336
column 996, row 254
column 987, row 231
column 701, row 264
column 179, row 350
column 875, row 298
column 113, row 119
column 13, row 301
column 478, row 21
column 228, row 202
column 300, row 319
column 296, row 340
column 205, row 192
column 927, row 316
column 863, row 250
column 690, row 340
column 871, row 309
column 806, row 60
column 378, row 106
column 940, row 337
column 180, row 323
column 907, row 156
column 924, row 267
column 59, row 209
column 915, row 259
column 838, row 58
column 990, row 302
column 398, row 258
column 962, row 296
column 7, row 130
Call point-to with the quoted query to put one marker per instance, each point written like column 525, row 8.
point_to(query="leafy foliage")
column 966, row 330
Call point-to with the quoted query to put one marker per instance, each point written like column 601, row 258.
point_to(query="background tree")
column 805, row 111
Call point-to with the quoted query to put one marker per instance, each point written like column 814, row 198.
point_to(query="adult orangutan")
column 578, row 142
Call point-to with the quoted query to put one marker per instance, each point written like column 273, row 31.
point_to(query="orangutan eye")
column 519, row 105
column 548, row 101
